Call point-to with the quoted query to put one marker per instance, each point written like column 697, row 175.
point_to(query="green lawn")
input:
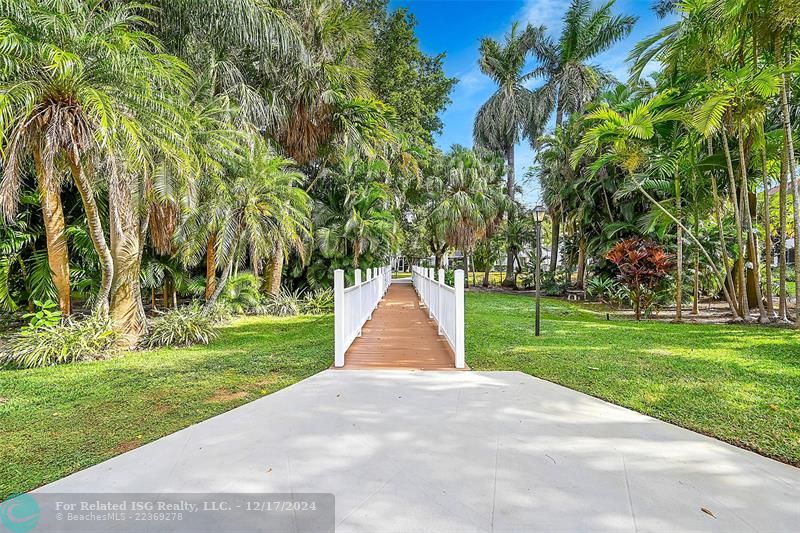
column 740, row 384
column 61, row 419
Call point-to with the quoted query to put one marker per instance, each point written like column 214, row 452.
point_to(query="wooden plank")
column 400, row 335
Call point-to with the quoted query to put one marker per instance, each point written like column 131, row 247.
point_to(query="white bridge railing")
column 445, row 305
column 354, row 305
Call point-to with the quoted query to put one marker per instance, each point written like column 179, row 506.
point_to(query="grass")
column 740, row 384
column 58, row 420
column 495, row 278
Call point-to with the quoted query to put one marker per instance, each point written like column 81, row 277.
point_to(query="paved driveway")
column 464, row 451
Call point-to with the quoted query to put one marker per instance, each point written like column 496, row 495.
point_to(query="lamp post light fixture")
column 539, row 213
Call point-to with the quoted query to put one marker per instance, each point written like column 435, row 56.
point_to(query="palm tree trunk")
column 679, row 249
column 744, row 309
column 767, row 237
column 696, row 285
column 220, row 286
column 211, row 265
column 728, row 279
column 486, row 274
column 511, row 276
column 720, row 275
column 276, row 269
column 783, row 310
column 165, row 292
column 555, row 235
column 95, row 231
column 127, row 309
column 787, row 130
column 53, row 219
column 747, row 218
column 581, row 275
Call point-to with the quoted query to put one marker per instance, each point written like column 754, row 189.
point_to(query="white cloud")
column 473, row 81
column 547, row 12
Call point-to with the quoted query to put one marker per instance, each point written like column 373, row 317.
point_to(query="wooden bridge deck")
column 400, row 335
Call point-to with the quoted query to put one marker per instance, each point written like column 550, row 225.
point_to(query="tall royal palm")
column 508, row 115
column 571, row 81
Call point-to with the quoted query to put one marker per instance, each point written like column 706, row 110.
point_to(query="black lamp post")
column 539, row 213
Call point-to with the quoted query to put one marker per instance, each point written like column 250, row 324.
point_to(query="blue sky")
column 456, row 27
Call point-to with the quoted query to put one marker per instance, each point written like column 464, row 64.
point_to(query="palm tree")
column 225, row 41
column 469, row 207
column 354, row 220
column 735, row 105
column 571, row 81
column 554, row 172
column 508, row 116
column 85, row 85
column 256, row 208
column 327, row 102
column 623, row 140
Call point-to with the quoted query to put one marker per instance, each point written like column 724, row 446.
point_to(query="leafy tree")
column 408, row 80
column 509, row 114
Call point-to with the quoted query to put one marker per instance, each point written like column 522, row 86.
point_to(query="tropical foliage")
column 207, row 151
column 699, row 156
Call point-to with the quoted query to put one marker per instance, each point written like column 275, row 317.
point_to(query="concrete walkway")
column 460, row 452
column 400, row 335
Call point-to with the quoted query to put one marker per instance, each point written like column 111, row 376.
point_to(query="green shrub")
column 218, row 313
column 241, row 294
column 47, row 315
column 318, row 302
column 603, row 288
column 181, row 327
column 74, row 340
column 285, row 303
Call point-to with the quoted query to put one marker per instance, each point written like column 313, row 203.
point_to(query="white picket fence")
column 445, row 305
column 354, row 305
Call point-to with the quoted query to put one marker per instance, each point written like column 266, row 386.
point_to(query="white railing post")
column 459, row 311
column 433, row 292
column 381, row 280
column 370, row 292
column 439, row 310
column 338, row 317
column 360, row 299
